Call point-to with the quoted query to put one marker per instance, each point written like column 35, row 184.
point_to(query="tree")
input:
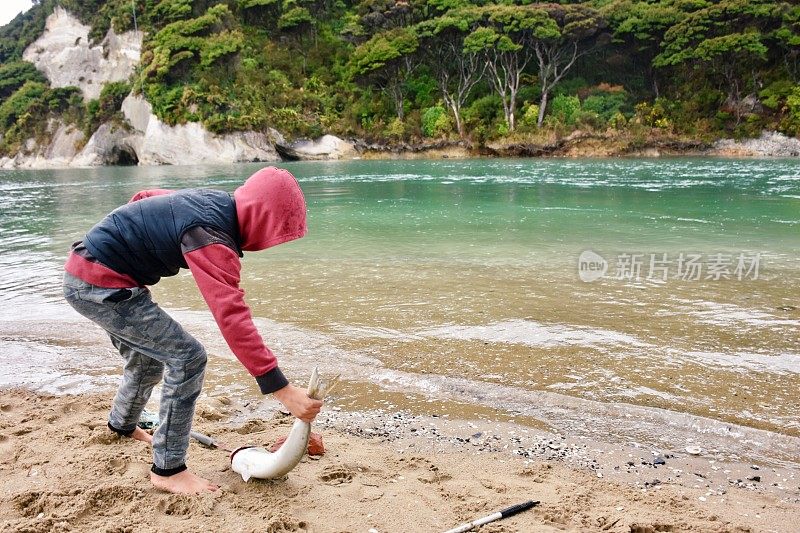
column 788, row 39
column 258, row 11
column 380, row 15
column 456, row 69
column 728, row 40
column 296, row 24
column 503, row 41
column 557, row 49
column 638, row 28
column 388, row 59
column 511, row 37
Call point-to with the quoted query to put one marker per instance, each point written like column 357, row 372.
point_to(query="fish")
column 260, row 463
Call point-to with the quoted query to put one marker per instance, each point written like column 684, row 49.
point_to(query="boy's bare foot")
column 142, row 435
column 182, row 483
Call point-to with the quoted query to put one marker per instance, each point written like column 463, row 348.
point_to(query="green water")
column 458, row 281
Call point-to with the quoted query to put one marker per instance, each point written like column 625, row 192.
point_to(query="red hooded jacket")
column 270, row 210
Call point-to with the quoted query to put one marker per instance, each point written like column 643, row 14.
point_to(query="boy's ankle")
column 167, row 472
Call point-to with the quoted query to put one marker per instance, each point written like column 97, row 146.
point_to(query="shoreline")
column 390, row 473
column 578, row 144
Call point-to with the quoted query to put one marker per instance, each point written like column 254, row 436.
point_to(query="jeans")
column 153, row 345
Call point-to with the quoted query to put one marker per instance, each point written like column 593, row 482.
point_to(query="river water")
column 455, row 287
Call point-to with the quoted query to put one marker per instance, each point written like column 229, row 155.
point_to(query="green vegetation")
column 405, row 70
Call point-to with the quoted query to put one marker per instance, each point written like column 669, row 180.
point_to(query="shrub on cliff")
column 107, row 106
column 15, row 74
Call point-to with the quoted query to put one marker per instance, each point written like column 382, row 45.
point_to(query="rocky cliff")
column 65, row 55
column 67, row 58
column 148, row 141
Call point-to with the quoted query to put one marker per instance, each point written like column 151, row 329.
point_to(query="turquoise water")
column 458, row 280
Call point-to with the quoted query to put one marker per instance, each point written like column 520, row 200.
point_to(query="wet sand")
column 62, row 470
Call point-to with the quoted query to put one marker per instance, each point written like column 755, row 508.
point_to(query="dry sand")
column 62, row 470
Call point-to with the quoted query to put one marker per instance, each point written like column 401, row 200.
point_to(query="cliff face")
column 66, row 57
column 148, row 141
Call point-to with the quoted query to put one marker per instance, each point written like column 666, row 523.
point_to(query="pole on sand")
column 510, row 511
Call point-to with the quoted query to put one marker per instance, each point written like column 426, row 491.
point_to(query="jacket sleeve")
column 148, row 193
column 216, row 270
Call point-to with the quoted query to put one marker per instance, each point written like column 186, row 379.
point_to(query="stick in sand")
column 510, row 511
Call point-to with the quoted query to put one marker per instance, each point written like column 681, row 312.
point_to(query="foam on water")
column 531, row 333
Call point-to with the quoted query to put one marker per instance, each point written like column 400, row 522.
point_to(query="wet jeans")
column 152, row 345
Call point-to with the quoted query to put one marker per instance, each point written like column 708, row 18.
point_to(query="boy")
column 154, row 235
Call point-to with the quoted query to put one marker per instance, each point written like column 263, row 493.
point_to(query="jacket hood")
column 271, row 209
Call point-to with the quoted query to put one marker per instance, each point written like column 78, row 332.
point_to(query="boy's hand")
column 298, row 403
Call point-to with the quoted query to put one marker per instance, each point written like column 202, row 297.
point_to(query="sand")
column 62, row 470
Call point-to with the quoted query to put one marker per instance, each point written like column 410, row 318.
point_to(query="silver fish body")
column 258, row 462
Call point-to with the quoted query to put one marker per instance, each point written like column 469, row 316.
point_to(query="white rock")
column 769, row 144
column 326, row 147
column 108, row 145
column 65, row 56
column 157, row 143
column 63, row 147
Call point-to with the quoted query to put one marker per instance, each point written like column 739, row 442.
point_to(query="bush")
column 605, row 105
column 23, row 114
column 13, row 75
column 791, row 121
column 751, row 126
column 618, row 121
column 26, row 100
column 774, row 94
column 422, row 91
column 435, row 122
column 105, row 108
column 654, row 115
column 484, row 110
column 396, row 129
column 565, row 109
column 530, row 116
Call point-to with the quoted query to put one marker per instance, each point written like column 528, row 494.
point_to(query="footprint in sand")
column 175, row 505
column 336, row 475
column 102, row 435
column 187, row 505
column 651, row 528
column 29, row 503
column 252, row 426
column 430, row 472
column 282, row 523
column 117, row 465
column 538, row 473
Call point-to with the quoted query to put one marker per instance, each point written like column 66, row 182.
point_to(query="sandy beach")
column 62, row 470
